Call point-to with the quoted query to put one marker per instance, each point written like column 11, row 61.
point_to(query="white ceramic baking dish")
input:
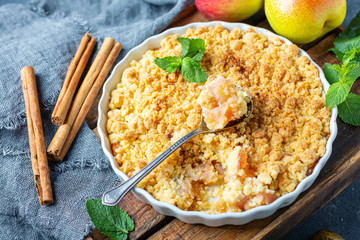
column 237, row 218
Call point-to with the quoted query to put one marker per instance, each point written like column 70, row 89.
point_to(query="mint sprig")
column 341, row 77
column 111, row 221
column 192, row 52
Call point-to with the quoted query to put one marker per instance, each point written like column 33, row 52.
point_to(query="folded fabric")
column 45, row 34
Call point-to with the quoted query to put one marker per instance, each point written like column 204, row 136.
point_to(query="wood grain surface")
column 341, row 170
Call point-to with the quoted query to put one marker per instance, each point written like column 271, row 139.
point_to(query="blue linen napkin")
column 45, row 34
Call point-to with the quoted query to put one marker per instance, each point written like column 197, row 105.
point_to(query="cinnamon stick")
column 72, row 67
column 74, row 127
column 63, row 131
column 75, row 70
column 36, row 137
column 90, row 99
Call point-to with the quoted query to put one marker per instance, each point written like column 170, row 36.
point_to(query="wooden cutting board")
column 340, row 171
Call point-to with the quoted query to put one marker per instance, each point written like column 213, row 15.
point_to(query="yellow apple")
column 228, row 10
column 303, row 21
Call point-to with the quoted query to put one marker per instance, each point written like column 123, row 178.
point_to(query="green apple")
column 303, row 21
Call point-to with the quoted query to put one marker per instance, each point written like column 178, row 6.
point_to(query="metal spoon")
column 115, row 194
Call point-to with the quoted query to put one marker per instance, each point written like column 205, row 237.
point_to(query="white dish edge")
column 195, row 217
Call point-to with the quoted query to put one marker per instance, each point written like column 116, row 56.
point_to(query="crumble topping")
column 249, row 165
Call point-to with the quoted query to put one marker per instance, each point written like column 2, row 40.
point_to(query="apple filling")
column 222, row 102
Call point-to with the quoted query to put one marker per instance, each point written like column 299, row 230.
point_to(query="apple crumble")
column 252, row 164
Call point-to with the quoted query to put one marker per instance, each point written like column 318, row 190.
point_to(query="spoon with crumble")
column 224, row 105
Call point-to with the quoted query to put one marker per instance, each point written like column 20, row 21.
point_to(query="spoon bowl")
column 204, row 128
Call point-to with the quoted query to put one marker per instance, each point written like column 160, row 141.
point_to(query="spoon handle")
column 115, row 194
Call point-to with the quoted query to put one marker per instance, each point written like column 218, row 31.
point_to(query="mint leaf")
column 191, row 46
column 341, row 78
column 347, row 73
column 349, row 110
column 336, row 94
column 347, row 44
column 336, row 68
column 185, row 44
column 349, row 38
column 340, row 71
column 170, row 64
column 338, row 53
column 111, row 221
column 355, row 24
column 352, row 72
column 197, row 58
column 331, row 75
column 352, row 30
column 352, row 55
column 192, row 52
column 192, row 71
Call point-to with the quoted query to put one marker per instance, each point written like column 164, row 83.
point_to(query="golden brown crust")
column 283, row 139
